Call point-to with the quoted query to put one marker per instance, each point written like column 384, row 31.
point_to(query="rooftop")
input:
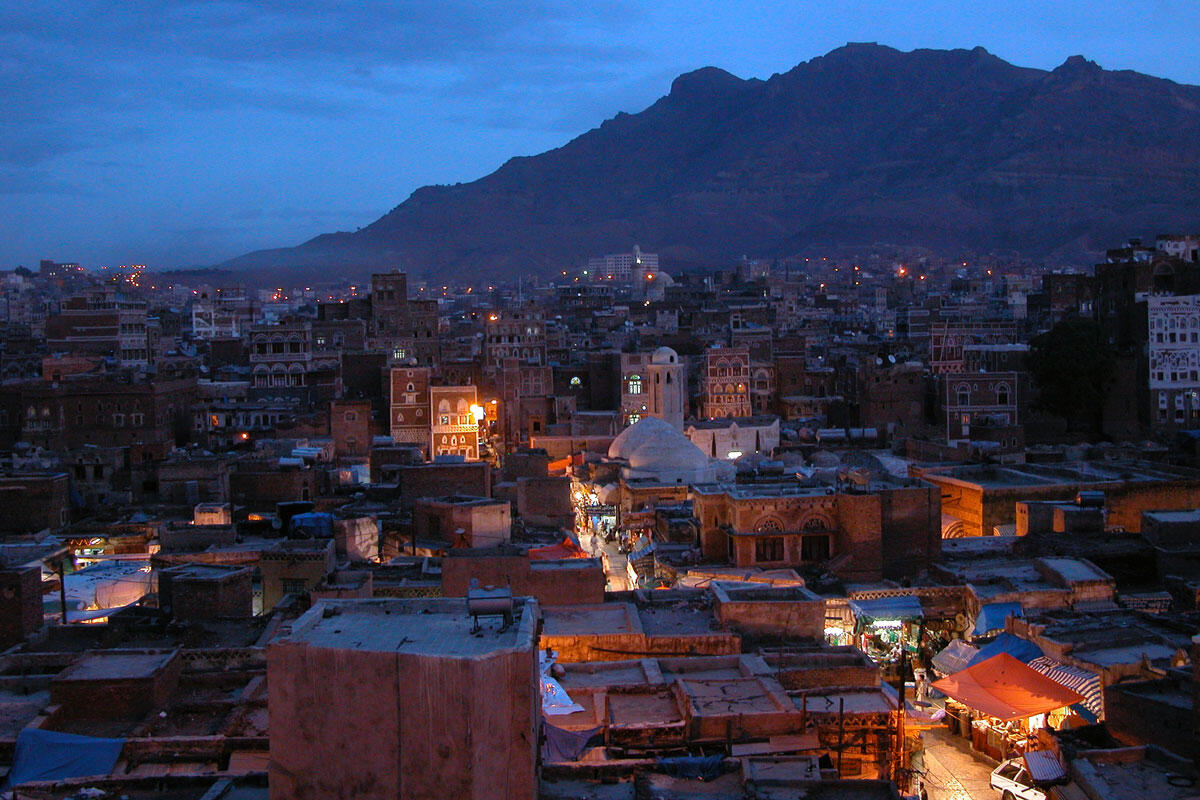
column 1134, row 772
column 425, row 626
column 1070, row 473
column 117, row 665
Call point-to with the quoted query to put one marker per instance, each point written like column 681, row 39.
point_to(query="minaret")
column 667, row 378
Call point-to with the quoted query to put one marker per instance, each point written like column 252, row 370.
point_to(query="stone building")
column 454, row 428
column 514, row 333
column 409, row 405
column 281, row 354
column 890, row 527
column 726, row 384
column 402, row 327
column 350, row 427
column 653, row 385
column 733, row 438
column 375, row 699
column 1174, row 344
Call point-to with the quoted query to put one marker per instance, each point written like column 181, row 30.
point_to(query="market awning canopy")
column 1005, row 688
column 955, row 656
column 992, row 617
column 1082, row 681
column 887, row 609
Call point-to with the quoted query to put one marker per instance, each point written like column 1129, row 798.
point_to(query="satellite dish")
column 878, row 361
column 891, row 359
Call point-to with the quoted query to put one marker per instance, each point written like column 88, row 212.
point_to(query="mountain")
column 952, row 150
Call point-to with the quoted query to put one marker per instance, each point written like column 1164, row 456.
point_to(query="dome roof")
column 668, row 453
column 664, row 355
column 638, row 434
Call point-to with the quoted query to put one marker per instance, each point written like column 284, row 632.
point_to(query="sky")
column 180, row 134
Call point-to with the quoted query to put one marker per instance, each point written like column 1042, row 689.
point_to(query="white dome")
column 668, row 453
column 664, row 355
column 638, row 434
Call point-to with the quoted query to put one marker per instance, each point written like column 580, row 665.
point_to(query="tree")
column 1071, row 365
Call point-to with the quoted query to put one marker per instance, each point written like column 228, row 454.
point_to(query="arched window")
column 1002, row 394
column 768, row 524
column 963, row 394
column 635, row 384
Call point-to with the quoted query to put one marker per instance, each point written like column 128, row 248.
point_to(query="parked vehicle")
column 1012, row 779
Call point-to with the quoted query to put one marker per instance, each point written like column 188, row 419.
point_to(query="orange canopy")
column 1004, row 687
column 565, row 549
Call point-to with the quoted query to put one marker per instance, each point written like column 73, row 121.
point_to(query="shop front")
column 885, row 628
column 1001, row 703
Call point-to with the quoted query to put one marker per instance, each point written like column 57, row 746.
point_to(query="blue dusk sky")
column 183, row 133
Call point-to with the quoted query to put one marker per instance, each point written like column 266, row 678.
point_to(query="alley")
column 952, row 771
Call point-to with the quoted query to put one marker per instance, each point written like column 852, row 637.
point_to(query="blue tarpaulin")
column 49, row 756
column 1020, row 649
column 706, row 768
column 905, row 608
column 316, row 525
column 991, row 617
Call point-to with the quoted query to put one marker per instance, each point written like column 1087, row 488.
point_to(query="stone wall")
column 553, row 583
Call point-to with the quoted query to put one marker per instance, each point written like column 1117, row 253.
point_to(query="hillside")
column 950, row 150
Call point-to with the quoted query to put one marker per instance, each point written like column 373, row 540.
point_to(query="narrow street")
column 614, row 561
column 952, row 771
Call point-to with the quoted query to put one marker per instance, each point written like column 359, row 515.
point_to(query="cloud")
column 75, row 65
column 152, row 111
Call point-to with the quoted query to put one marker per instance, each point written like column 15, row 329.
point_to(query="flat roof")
column 1121, row 778
column 751, row 491
column 1192, row 515
column 199, row 570
column 673, row 619
column 595, row 618
column 425, row 626
column 740, row 695
column 1068, row 473
column 117, row 665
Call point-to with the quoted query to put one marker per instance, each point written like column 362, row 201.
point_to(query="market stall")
column 1006, row 702
column 885, row 627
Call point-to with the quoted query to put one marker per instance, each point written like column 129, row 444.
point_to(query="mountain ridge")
column 866, row 145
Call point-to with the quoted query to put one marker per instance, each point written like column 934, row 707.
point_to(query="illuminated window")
column 635, row 384
column 575, row 381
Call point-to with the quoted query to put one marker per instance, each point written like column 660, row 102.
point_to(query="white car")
column 1013, row 780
